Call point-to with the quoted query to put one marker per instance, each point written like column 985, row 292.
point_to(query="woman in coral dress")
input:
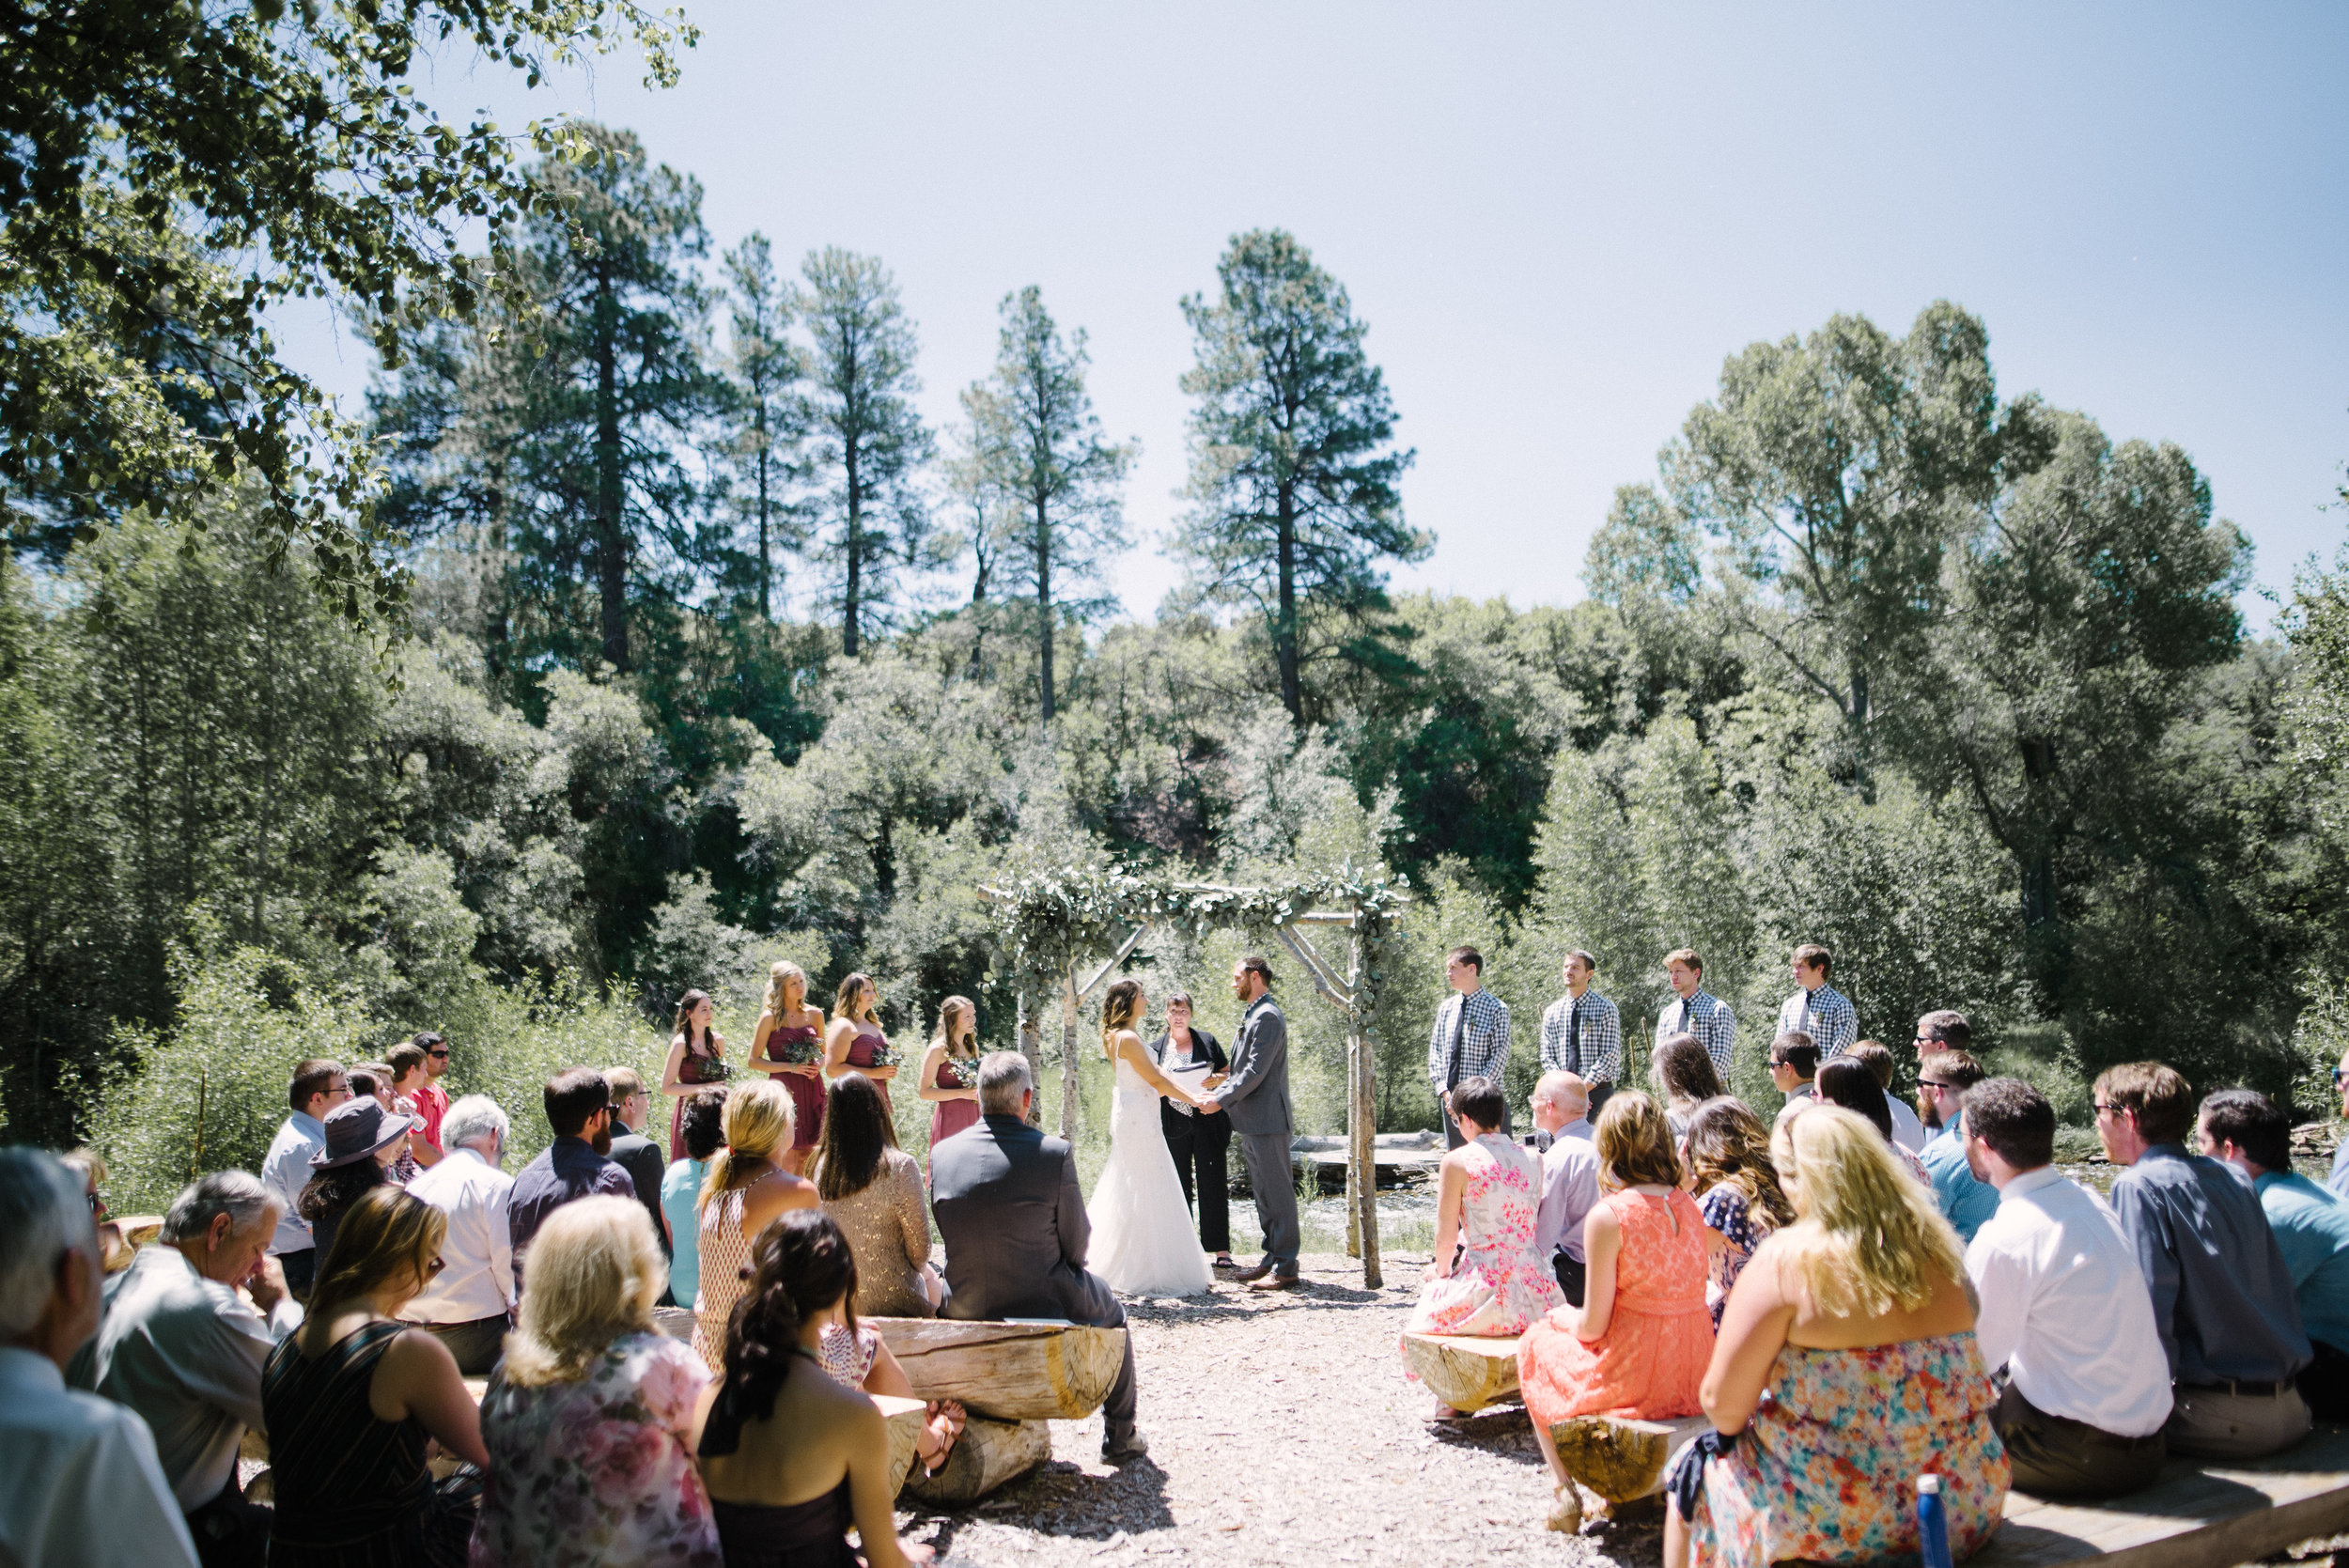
column 1637, row 1346
column 788, row 1045
column 1486, row 1280
column 1847, row 1368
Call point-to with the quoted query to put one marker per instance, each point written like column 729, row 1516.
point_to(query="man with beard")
column 579, row 1109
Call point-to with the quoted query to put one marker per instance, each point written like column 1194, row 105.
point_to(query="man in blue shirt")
column 2223, row 1300
column 2250, row 1132
column 1942, row 1078
column 2338, row 1180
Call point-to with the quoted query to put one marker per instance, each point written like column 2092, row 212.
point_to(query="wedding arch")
column 1050, row 921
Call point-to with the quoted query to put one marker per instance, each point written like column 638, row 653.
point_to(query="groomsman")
column 1582, row 1033
column 1471, row 1038
column 1693, row 1010
column 1819, row 1010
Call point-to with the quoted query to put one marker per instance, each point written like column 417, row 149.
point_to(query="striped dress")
column 353, row 1490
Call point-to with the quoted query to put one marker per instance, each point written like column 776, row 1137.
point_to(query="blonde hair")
column 758, row 1121
column 1120, row 1009
column 775, row 977
column 388, row 1229
column 1869, row 1236
column 947, row 1011
column 1634, row 1139
column 592, row 1274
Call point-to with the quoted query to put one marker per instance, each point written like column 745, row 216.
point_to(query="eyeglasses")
column 2339, row 1076
column 438, row 1263
column 1934, row 1083
column 2104, row 1109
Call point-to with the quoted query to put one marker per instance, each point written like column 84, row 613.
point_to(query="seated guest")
column 2338, row 1177
column 353, row 1398
column 1855, row 1320
column 467, row 1305
column 1942, row 1079
column 363, row 1143
column 578, row 1104
column 1908, row 1131
column 319, row 1086
column 589, row 1424
column 1849, row 1083
column 1014, row 1222
column 1485, row 1278
column 874, row 1190
column 745, row 1189
column 82, row 1487
column 1569, row 1184
column 182, row 1347
column 2063, row 1309
column 794, row 1460
column 2312, row 1226
column 1683, row 1074
column 1562, row 1109
column 1795, row 1068
column 701, row 1123
column 2223, row 1302
column 1736, row 1191
column 632, row 1151
column 1638, row 1345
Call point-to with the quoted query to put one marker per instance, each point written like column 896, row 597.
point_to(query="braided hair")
column 800, row 1267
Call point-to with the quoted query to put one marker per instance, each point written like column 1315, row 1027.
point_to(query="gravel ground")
column 1282, row 1428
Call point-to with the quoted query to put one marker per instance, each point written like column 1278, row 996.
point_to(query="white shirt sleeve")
column 2002, row 1277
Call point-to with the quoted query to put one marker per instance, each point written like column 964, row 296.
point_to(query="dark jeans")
column 2325, row 1384
column 230, row 1531
column 1451, row 1138
column 302, row 1269
column 1204, row 1142
column 1570, row 1271
column 476, row 1346
column 2055, row 1457
column 1599, row 1095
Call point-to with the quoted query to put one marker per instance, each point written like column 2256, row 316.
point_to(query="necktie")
column 1574, row 1037
column 1459, row 1043
column 1685, row 1002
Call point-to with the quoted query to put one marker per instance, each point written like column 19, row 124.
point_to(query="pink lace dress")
column 1500, row 1286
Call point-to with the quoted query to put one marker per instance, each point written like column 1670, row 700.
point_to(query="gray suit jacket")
column 1014, row 1223
column 1256, row 1096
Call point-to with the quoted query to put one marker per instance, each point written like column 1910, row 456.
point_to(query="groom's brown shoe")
column 1250, row 1276
column 1278, row 1282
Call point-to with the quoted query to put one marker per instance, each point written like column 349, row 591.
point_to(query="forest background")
column 642, row 634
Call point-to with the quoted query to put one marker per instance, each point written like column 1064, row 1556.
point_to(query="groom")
column 1256, row 1096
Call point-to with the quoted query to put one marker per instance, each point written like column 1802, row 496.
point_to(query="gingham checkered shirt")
column 1707, row 1017
column 1483, row 1045
column 1600, row 1058
column 1827, row 1016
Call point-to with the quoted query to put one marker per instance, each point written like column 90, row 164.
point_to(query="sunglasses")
column 1934, row 1083
column 442, row 1054
column 438, row 1263
column 2339, row 1076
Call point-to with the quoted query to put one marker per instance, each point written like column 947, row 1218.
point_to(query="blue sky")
column 1559, row 219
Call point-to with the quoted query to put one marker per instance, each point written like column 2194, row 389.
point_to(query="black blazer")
column 1216, row 1126
column 1014, row 1222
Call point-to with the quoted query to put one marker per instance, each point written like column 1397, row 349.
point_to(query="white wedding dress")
column 1143, row 1243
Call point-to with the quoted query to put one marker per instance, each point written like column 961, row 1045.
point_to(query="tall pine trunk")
column 1044, row 605
column 611, row 534
column 766, row 567
column 1284, row 622
column 856, row 550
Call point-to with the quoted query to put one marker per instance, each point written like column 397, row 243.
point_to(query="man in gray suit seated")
column 1015, row 1227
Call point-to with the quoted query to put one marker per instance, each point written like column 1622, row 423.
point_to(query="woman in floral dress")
column 1847, row 1368
column 1485, row 1278
column 1735, row 1187
column 589, row 1422
column 788, row 1045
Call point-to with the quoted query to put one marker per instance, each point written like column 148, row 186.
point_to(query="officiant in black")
column 1197, row 1140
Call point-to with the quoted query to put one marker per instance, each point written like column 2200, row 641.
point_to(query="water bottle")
column 1933, row 1526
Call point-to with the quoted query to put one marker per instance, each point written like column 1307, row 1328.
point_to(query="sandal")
column 951, row 1413
column 1565, row 1510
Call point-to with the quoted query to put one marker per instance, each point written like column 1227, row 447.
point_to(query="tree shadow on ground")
column 1064, row 1498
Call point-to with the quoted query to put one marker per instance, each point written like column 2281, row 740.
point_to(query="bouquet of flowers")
column 959, row 1071
column 884, row 1055
column 798, row 1053
column 712, row 1069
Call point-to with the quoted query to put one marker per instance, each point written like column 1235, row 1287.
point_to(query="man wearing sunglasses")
column 431, row 1100
column 1942, row 1078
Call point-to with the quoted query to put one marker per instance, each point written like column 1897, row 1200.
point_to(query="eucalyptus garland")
column 1050, row 918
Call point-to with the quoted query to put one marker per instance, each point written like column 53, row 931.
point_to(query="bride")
column 1143, row 1243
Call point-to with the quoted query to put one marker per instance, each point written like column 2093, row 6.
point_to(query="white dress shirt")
column 285, row 1171
column 477, row 1278
column 1908, row 1132
column 186, row 1354
column 2064, row 1307
column 1569, row 1192
column 79, row 1485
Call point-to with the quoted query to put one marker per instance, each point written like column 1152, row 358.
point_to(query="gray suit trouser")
column 1275, row 1188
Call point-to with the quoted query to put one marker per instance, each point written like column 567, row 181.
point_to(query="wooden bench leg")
column 988, row 1455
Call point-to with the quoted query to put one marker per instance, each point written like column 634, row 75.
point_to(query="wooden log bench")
column 1019, row 1369
column 1466, row 1373
column 1622, row 1461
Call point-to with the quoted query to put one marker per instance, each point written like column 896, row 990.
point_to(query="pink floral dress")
column 598, row 1471
column 1500, row 1286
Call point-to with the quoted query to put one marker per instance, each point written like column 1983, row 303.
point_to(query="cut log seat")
column 1466, row 1373
column 2205, row 1515
column 988, row 1455
column 1622, row 1461
column 1028, row 1370
column 903, row 1416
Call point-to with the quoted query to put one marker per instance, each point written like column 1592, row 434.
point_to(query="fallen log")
column 1466, row 1373
column 1622, row 1461
column 988, row 1455
column 903, row 1416
column 1029, row 1370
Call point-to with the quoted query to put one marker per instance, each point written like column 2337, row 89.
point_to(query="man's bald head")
column 1560, row 1098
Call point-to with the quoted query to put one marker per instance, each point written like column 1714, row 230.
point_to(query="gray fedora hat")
column 357, row 1128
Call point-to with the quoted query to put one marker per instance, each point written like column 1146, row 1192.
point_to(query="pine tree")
column 1293, row 473
column 762, row 370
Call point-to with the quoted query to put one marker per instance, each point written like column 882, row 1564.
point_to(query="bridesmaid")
column 855, row 1038
column 788, row 1028
column 697, row 1055
column 950, row 1069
